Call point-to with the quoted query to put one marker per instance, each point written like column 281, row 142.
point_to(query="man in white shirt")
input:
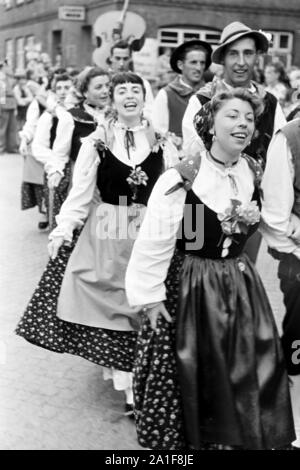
column 238, row 53
column 189, row 61
column 281, row 229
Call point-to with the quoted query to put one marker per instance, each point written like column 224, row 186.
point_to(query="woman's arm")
column 278, row 200
column 41, row 143
column 154, row 247
column 62, row 143
column 75, row 209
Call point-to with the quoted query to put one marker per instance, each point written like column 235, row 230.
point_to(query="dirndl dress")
column 32, row 188
column 80, row 306
column 215, row 378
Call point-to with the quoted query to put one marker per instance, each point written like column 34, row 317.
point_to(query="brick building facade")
column 25, row 23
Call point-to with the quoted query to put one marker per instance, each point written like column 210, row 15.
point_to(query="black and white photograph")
column 150, row 227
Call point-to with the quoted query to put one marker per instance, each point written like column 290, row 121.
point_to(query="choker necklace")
column 226, row 164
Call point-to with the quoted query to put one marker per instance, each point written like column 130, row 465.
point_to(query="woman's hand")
column 54, row 180
column 23, row 149
column 293, row 231
column 54, row 246
column 154, row 312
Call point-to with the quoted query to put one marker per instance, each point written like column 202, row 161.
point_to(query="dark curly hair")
column 125, row 77
column 84, row 79
column 204, row 119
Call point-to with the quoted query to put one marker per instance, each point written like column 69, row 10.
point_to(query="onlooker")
column 8, row 110
column 277, row 81
column 23, row 97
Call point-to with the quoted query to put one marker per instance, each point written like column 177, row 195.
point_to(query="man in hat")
column 8, row 109
column 238, row 53
column 189, row 61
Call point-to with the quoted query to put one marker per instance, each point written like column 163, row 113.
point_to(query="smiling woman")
column 80, row 306
column 210, row 372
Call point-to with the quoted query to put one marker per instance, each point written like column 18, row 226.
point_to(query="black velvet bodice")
column 202, row 235
column 112, row 178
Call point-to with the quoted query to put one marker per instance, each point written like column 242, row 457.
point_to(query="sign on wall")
column 71, row 13
column 145, row 61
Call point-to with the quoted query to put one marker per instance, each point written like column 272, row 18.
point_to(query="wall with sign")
column 145, row 61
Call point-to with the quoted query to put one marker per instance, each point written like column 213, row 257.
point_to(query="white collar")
column 251, row 88
column 119, row 125
column 185, row 84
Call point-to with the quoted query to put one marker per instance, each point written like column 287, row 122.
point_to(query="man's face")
column 239, row 61
column 193, row 66
column 120, row 60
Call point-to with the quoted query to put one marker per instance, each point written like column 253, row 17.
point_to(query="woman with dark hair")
column 38, row 142
column 82, row 309
column 73, row 125
column 209, row 370
column 277, row 81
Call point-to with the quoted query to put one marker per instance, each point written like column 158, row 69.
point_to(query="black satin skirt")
column 216, row 375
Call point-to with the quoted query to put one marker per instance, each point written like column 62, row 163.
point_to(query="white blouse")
column 64, row 135
column 75, row 209
column 154, row 247
column 32, row 117
column 277, row 185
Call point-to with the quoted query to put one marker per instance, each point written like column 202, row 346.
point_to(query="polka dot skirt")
column 40, row 325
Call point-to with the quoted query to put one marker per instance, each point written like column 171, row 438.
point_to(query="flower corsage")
column 137, row 178
column 236, row 219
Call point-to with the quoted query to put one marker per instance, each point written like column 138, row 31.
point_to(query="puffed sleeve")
column 170, row 154
column 32, row 116
column 62, row 143
column 192, row 143
column 41, row 143
column 155, row 244
column 75, row 209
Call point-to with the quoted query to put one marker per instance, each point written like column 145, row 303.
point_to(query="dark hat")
column 234, row 31
column 177, row 53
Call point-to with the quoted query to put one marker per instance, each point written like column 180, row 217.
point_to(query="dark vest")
column 177, row 105
column 84, row 126
column 264, row 129
column 292, row 134
column 112, row 178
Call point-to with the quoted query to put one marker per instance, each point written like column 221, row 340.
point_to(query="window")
column 281, row 48
column 173, row 37
column 8, row 4
column 20, row 54
column 9, row 52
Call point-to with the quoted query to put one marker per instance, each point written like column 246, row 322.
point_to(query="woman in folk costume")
column 71, row 125
column 212, row 373
column 45, row 142
column 82, row 309
column 32, row 189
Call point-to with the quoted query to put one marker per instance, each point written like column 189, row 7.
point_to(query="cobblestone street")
column 51, row 401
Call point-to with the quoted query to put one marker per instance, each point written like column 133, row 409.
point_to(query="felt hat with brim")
column 179, row 51
column 234, row 31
